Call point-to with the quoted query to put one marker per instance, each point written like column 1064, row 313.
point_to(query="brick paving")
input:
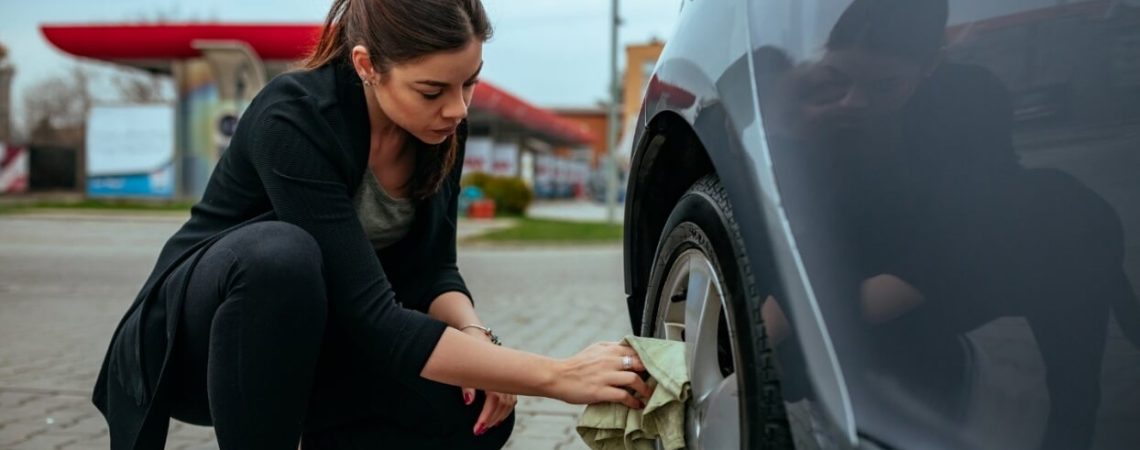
column 65, row 280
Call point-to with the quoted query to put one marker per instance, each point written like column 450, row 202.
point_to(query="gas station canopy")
column 154, row 47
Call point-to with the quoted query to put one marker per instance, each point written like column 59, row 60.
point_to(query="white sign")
column 478, row 155
column 505, row 161
column 544, row 170
column 129, row 139
column 527, row 166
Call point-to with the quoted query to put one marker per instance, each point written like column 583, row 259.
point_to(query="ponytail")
column 332, row 42
column 395, row 32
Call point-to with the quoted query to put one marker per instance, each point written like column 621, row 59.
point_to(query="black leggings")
column 249, row 345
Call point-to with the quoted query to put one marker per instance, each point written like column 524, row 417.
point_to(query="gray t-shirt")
column 385, row 219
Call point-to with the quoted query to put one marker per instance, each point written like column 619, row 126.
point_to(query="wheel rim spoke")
column 673, row 317
column 691, row 306
column 702, row 309
column 719, row 414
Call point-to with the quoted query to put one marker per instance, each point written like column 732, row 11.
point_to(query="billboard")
column 478, row 157
column 130, row 151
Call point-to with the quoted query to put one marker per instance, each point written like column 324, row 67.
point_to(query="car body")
column 1008, row 247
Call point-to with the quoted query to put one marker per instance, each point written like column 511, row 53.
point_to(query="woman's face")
column 428, row 97
column 856, row 89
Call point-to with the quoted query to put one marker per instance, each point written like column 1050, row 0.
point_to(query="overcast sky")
column 550, row 52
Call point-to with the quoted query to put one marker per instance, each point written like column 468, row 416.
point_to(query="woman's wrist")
column 548, row 377
column 476, row 332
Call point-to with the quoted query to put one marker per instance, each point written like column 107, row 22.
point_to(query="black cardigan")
column 299, row 154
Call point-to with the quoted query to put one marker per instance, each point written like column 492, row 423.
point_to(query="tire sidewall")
column 702, row 219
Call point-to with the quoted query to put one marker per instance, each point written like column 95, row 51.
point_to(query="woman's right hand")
column 595, row 375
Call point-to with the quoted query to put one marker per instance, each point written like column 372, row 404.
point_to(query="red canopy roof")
column 124, row 43
column 118, row 42
column 503, row 104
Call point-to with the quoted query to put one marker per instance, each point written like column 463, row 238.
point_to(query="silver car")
column 895, row 223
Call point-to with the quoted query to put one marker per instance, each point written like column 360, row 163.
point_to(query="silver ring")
column 626, row 362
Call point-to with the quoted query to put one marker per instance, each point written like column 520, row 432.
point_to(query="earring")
column 367, row 83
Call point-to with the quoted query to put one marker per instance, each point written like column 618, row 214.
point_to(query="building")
column 594, row 121
column 640, row 62
column 217, row 70
column 13, row 160
column 6, row 73
column 640, row 59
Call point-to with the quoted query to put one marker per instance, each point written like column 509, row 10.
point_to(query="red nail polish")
column 468, row 398
column 479, row 430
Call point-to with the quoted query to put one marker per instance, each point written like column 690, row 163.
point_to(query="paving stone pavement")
column 65, row 281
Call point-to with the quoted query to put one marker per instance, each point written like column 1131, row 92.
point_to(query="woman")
column 314, row 289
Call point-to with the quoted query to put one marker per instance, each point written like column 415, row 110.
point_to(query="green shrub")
column 511, row 194
column 477, row 179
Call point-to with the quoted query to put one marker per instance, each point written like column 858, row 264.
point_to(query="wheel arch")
column 670, row 156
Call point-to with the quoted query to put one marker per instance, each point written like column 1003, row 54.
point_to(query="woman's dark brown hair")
column 399, row 31
column 908, row 29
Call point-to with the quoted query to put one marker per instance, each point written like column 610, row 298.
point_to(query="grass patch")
column 554, row 231
column 107, row 205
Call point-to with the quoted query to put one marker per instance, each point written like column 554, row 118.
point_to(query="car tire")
column 701, row 231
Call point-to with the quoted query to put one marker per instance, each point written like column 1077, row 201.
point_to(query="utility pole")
column 612, row 119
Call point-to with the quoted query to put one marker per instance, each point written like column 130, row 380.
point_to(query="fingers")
column 483, row 422
column 506, row 405
column 496, row 408
column 468, row 396
column 635, row 363
column 620, row 351
column 617, row 346
column 633, row 381
column 617, row 395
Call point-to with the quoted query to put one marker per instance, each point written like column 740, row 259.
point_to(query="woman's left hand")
column 496, row 407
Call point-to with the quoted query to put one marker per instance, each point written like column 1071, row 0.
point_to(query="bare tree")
column 139, row 87
column 172, row 14
column 6, row 72
column 55, row 108
column 63, row 100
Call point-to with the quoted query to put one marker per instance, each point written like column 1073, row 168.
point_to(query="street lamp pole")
column 612, row 119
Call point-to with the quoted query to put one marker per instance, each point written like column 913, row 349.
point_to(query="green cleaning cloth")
column 613, row 426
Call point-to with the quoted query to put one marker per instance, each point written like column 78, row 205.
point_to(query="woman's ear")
column 362, row 62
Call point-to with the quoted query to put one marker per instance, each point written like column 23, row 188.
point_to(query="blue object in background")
column 157, row 184
column 468, row 195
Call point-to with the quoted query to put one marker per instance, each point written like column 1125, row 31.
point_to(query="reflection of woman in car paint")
column 909, row 183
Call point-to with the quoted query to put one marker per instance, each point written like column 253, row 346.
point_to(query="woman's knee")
column 457, row 421
column 379, row 433
column 275, row 248
column 278, row 260
column 492, row 439
column 497, row 437
column 279, row 245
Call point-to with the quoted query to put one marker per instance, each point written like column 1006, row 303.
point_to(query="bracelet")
column 490, row 334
